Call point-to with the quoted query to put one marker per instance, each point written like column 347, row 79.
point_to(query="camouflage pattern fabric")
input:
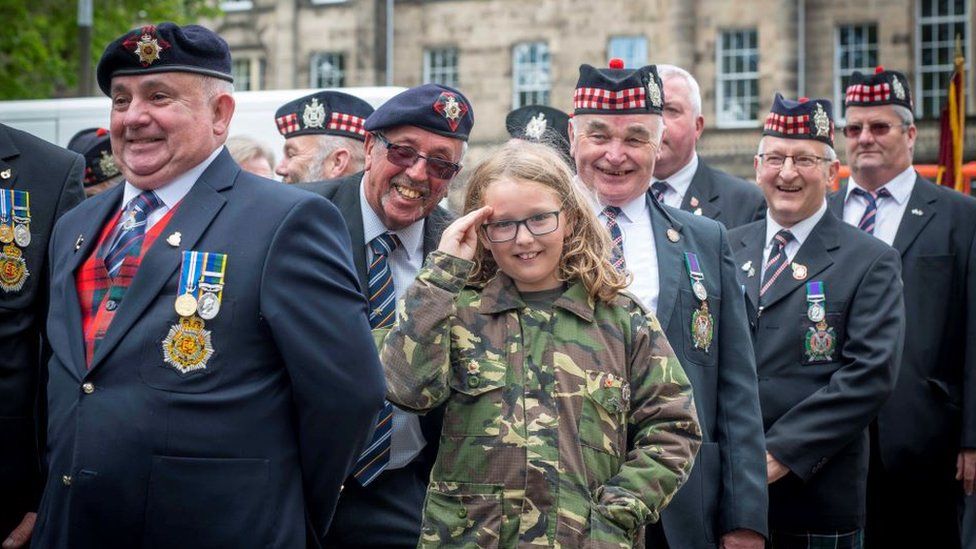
column 571, row 427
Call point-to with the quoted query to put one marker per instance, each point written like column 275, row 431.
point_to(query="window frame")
column 840, row 91
column 921, row 70
column 633, row 62
column 314, row 74
column 528, row 46
column 454, row 70
column 721, row 117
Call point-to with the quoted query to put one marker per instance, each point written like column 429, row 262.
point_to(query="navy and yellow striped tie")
column 382, row 310
column 870, row 217
column 616, row 237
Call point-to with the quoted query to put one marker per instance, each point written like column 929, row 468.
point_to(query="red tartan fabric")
column 599, row 98
column 347, row 123
column 288, row 124
column 860, row 93
column 787, row 125
column 94, row 285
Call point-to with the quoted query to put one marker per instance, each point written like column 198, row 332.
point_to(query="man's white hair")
column 656, row 135
column 327, row 144
column 694, row 90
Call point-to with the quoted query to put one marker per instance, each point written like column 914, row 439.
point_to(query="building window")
column 530, row 74
column 328, row 70
column 248, row 73
column 236, row 5
column 441, row 66
column 631, row 49
column 856, row 50
column 323, row 2
column 738, row 78
column 939, row 22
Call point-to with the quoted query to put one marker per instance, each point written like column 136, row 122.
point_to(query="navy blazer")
column 729, row 200
column 248, row 451
column 815, row 411
column 52, row 176
column 932, row 412
column 727, row 487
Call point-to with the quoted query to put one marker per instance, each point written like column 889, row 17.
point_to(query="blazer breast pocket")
column 821, row 341
column 476, row 406
column 699, row 326
column 188, row 355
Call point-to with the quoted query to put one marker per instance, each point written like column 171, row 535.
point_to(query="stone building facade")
column 504, row 53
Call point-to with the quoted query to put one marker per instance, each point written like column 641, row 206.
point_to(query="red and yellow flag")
column 953, row 127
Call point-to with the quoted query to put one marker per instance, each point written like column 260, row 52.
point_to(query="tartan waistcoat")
column 99, row 295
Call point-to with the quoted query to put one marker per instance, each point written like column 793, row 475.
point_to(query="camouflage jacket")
column 572, row 427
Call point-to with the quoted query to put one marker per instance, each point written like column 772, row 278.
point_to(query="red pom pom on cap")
column 100, row 132
column 804, row 99
column 879, row 69
column 616, row 63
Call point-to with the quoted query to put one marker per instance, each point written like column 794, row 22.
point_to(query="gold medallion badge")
column 702, row 330
column 6, row 233
column 187, row 346
column 13, row 269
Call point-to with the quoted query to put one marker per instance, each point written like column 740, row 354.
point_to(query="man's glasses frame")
column 405, row 157
column 541, row 220
column 802, row 161
column 877, row 129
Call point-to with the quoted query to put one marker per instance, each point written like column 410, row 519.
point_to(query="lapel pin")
column 694, row 202
column 698, row 211
column 5, row 174
column 174, row 239
column 799, row 271
column 673, row 235
column 916, row 211
column 79, row 242
column 747, row 268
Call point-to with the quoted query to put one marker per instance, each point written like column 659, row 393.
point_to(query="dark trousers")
column 837, row 540
column 385, row 514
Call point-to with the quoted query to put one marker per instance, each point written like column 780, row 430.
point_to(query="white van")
column 57, row 120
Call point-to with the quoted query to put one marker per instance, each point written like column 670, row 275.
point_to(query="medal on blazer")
column 820, row 340
column 6, row 228
column 13, row 269
column 187, row 346
column 20, row 200
column 186, row 300
column 702, row 326
column 211, row 284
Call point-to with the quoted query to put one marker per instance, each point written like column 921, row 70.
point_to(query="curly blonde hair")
column 586, row 249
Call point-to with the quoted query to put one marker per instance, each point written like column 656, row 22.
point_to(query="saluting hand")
column 461, row 237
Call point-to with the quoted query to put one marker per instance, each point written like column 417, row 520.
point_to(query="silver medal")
column 816, row 312
column 209, row 306
column 699, row 290
column 22, row 235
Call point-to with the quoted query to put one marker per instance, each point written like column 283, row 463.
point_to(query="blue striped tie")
column 130, row 231
column 777, row 262
column 382, row 308
column 870, row 217
column 616, row 237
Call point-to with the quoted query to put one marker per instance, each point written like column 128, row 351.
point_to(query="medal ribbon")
column 21, row 203
column 815, row 295
column 190, row 273
column 695, row 273
column 5, row 205
column 214, row 267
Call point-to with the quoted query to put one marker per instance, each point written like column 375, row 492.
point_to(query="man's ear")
column 337, row 162
column 223, row 111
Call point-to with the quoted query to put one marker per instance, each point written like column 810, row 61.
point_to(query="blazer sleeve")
column 311, row 301
column 969, row 366
column 814, row 430
column 738, row 427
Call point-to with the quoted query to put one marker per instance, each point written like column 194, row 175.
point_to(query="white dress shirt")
column 406, row 438
column 679, row 182
column 890, row 210
column 800, row 233
column 171, row 193
column 640, row 253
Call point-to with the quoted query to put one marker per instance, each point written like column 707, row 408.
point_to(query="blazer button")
column 66, row 480
column 88, row 387
column 462, row 513
column 111, row 305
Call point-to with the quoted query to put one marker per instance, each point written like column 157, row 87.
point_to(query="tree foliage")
column 39, row 45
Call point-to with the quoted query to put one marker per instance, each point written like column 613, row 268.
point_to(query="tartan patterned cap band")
column 884, row 87
column 324, row 113
column 803, row 119
column 616, row 90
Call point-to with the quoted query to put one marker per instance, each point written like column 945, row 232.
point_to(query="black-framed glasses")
column 803, row 161
column 877, row 129
column 538, row 225
column 404, row 157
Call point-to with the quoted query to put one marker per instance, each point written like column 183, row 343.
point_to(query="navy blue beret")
column 541, row 124
column 803, row 119
column 326, row 112
column 881, row 88
column 616, row 90
column 432, row 107
column 166, row 47
column 94, row 144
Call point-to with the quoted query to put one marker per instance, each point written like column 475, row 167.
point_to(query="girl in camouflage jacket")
column 569, row 421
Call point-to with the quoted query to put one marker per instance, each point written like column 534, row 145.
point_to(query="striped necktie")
column 870, row 216
column 659, row 189
column 130, row 231
column 382, row 311
column 616, row 237
column 777, row 262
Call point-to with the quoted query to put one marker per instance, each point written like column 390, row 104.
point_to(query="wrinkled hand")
column 461, row 237
column 20, row 537
column 774, row 469
column 743, row 539
column 966, row 469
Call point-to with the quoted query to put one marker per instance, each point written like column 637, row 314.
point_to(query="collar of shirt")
column 800, row 230
column 681, row 179
column 411, row 237
column 900, row 186
column 171, row 193
column 634, row 211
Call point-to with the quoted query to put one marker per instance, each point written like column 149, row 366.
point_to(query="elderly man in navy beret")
column 414, row 146
column 324, row 136
column 228, row 401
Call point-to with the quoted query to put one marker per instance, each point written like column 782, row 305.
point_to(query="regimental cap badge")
column 107, row 165
column 654, row 92
column 897, row 87
column 448, row 106
column 536, row 127
column 146, row 45
column 314, row 115
column 821, row 122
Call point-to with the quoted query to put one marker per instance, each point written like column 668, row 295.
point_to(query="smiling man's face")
column 615, row 154
column 792, row 193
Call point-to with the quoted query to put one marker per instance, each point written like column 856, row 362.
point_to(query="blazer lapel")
column 348, row 201
column 194, row 214
column 702, row 194
column 919, row 211
column 813, row 254
column 670, row 264
column 835, row 202
column 8, row 174
column 749, row 259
